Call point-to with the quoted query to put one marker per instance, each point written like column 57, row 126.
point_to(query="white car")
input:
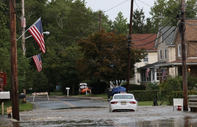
column 123, row 102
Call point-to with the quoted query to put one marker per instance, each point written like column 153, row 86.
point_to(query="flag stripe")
column 38, row 37
column 37, row 33
column 38, row 62
column 163, row 74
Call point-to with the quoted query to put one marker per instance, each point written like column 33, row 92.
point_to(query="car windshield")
column 123, row 97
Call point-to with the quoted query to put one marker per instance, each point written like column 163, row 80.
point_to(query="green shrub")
column 153, row 86
column 135, row 87
column 149, row 95
column 178, row 94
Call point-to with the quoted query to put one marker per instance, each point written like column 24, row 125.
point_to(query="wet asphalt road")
column 67, row 112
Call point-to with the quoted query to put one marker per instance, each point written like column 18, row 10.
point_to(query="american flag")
column 37, row 33
column 163, row 73
column 148, row 69
column 38, row 62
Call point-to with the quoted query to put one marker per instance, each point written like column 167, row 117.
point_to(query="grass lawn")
column 22, row 106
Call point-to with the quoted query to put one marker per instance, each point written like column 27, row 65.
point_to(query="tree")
column 138, row 21
column 105, row 57
column 165, row 11
column 140, row 24
column 120, row 24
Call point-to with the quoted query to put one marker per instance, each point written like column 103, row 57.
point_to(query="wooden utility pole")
column 23, row 25
column 13, row 52
column 184, row 66
column 129, row 46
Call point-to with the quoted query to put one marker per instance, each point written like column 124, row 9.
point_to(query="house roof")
column 178, row 63
column 152, row 65
column 167, row 33
column 141, row 40
column 191, row 29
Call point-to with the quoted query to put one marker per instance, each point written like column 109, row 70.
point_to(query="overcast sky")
column 113, row 7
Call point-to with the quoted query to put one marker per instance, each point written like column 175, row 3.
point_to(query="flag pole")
column 28, row 29
column 33, row 55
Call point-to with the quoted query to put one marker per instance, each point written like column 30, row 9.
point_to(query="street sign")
column 3, row 79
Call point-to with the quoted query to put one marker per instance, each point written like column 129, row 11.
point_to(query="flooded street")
column 97, row 115
column 146, row 116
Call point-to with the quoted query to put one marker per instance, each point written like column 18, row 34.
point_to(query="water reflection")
column 166, row 122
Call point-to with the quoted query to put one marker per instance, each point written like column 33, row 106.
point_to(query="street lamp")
column 46, row 32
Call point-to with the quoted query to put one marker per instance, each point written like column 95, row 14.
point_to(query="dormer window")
column 160, row 54
column 165, row 53
column 145, row 59
column 179, row 50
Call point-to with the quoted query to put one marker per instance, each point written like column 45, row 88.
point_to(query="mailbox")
column 5, row 95
column 21, row 96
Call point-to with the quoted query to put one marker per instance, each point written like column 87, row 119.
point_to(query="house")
column 191, row 50
column 140, row 41
column 153, row 72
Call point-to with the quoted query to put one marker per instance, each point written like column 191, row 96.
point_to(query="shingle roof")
column 167, row 34
column 143, row 39
column 152, row 65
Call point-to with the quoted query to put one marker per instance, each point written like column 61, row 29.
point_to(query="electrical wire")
column 154, row 33
column 145, row 3
column 116, row 6
column 165, row 38
column 137, row 5
column 154, row 39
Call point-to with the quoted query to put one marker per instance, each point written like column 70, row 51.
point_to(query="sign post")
column 67, row 88
column 3, row 82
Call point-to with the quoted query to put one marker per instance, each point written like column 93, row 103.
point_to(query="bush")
column 172, row 84
column 135, row 87
column 153, row 86
column 149, row 95
column 178, row 94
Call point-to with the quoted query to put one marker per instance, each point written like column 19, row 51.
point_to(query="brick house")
column 191, row 50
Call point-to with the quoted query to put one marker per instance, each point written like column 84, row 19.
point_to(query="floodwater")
column 146, row 116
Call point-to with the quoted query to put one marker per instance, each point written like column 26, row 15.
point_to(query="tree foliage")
column 105, row 57
column 120, row 24
column 164, row 11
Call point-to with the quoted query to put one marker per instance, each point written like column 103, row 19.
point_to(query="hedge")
column 149, row 95
column 178, row 94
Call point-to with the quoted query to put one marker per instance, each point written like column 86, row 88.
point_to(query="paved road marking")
column 71, row 105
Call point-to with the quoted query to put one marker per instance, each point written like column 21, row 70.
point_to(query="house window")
column 165, row 53
column 179, row 50
column 160, row 54
column 146, row 58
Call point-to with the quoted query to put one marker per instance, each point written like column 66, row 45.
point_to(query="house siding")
column 152, row 58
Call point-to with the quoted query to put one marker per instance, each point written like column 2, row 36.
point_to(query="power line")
column 116, row 6
column 154, row 39
column 145, row 3
column 166, row 37
column 154, row 33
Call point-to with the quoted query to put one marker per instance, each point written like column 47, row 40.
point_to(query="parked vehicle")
column 123, row 102
column 84, row 89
